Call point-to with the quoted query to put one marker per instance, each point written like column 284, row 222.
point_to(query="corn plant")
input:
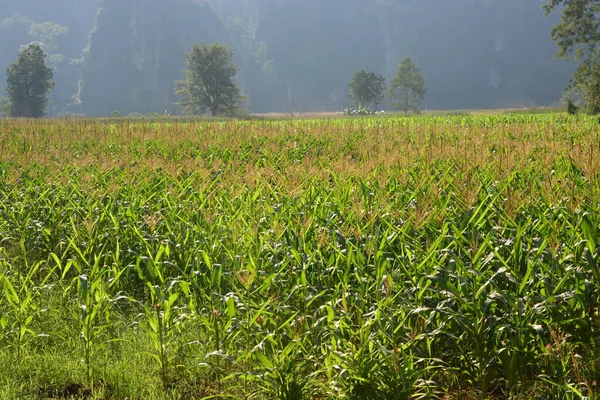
column 283, row 374
column 159, row 313
column 379, row 257
column 18, row 317
column 160, row 319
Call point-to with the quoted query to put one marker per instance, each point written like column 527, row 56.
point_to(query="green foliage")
column 407, row 88
column 579, row 31
column 210, row 81
column 16, row 321
column 587, row 83
column 578, row 35
column 366, row 89
column 369, row 258
column 29, row 82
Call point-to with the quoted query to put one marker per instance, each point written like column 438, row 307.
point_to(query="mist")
column 295, row 56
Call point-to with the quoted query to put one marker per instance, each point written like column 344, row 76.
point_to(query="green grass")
column 368, row 258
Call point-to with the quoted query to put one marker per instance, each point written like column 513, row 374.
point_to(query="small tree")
column 210, row 81
column 407, row 88
column 28, row 83
column 366, row 89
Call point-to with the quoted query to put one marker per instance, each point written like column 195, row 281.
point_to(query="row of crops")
column 376, row 258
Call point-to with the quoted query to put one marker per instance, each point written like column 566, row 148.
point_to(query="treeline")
column 209, row 86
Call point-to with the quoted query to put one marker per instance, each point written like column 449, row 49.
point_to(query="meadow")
column 450, row 257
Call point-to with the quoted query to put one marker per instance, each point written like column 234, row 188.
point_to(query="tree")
column 366, row 89
column 407, row 87
column 4, row 107
column 578, row 35
column 46, row 33
column 210, row 81
column 28, row 83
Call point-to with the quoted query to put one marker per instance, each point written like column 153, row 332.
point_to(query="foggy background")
column 295, row 55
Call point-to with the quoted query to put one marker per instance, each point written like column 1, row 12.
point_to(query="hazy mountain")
column 124, row 55
column 137, row 51
column 473, row 53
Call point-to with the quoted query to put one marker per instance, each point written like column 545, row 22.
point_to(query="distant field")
column 359, row 258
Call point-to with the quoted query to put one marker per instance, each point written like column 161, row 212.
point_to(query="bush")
column 571, row 107
column 4, row 107
column 360, row 111
column 69, row 115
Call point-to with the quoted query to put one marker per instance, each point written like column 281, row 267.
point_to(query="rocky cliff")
column 473, row 53
column 137, row 51
column 295, row 55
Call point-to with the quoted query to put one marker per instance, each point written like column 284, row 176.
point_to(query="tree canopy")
column 210, row 83
column 28, row 83
column 578, row 35
column 366, row 89
column 407, row 89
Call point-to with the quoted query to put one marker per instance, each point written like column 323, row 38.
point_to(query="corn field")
column 360, row 258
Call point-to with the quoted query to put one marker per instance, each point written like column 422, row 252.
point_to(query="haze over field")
column 124, row 55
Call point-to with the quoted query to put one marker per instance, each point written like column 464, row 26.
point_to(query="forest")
column 294, row 56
